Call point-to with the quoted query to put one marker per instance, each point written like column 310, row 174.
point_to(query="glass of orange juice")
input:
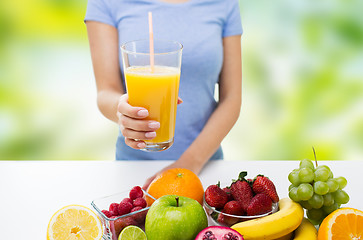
column 152, row 82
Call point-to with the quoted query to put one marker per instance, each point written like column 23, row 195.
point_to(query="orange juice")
column 156, row 91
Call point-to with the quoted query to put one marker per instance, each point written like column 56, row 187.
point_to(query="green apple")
column 175, row 217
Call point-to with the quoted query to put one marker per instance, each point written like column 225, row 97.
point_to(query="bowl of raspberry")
column 239, row 201
column 122, row 209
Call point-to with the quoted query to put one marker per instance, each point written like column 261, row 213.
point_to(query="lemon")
column 132, row 233
column 74, row 222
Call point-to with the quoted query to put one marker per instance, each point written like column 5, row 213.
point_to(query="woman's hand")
column 132, row 124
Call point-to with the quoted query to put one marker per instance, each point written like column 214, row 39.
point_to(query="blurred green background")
column 302, row 83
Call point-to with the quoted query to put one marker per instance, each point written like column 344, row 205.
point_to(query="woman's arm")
column 103, row 40
column 227, row 112
column 223, row 118
column 111, row 98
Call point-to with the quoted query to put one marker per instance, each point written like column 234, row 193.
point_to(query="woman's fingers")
column 128, row 133
column 138, row 125
column 133, row 112
column 136, row 144
column 132, row 124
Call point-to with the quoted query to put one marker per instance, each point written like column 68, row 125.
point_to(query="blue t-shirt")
column 200, row 25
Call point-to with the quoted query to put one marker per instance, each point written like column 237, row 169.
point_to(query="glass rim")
column 123, row 49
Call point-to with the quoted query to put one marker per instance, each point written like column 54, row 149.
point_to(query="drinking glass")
column 152, row 82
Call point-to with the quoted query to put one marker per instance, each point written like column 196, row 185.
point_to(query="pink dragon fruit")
column 219, row 233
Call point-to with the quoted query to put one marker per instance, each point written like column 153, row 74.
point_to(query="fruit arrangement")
column 246, row 209
column 317, row 190
column 242, row 200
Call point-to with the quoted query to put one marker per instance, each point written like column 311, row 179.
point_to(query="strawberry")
column 263, row 184
column 260, row 204
column 242, row 191
column 234, row 208
column 228, row 191
column 215, row 196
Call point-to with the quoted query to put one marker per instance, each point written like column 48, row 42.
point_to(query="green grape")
column 306, row 205
column 306, row 175
column 328, row 199
column 316, row 201
column 316, row 223
column 331, row 175
column 321, row 175
column 333, row 185
column 305, row 191
column 293, row 194
column 292, row 186
column 294, row 177
column 341, row 197
column 321, row 188
column 331, row 208
column 315, row 214
column 323, row 167
column 307, row 163
column 341, row 181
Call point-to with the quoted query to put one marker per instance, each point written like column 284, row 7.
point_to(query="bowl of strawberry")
column 241, row 200
column 120, row 210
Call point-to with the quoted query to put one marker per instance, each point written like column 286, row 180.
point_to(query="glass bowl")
column 218, row 218
column 112, row 226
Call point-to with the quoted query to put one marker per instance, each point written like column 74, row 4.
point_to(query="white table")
column 31, row 191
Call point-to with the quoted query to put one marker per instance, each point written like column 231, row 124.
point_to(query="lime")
column 132, row 233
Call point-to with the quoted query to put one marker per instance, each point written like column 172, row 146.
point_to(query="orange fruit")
column 176, row 181
column 342, row 224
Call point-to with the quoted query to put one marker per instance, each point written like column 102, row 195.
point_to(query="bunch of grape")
column 317, row 190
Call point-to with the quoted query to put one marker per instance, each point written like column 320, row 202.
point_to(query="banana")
column 273, row 226
column 306, row 231
column 286, row 237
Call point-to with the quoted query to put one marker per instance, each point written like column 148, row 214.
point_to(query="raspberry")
column 134, row 209
column 127, row 200
column 140, row 202
column 113, row 214
column 140, row 216
column 107, row 213
column 119, row 224
column 136, row 192
column 114, row 208
column 124, row 208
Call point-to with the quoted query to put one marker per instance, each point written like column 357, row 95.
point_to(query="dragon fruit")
column 219, row 233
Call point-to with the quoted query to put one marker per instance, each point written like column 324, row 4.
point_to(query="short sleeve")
column 233, row 25
column 100, row 11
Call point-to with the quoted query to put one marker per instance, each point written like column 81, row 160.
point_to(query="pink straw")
column 151, row 39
